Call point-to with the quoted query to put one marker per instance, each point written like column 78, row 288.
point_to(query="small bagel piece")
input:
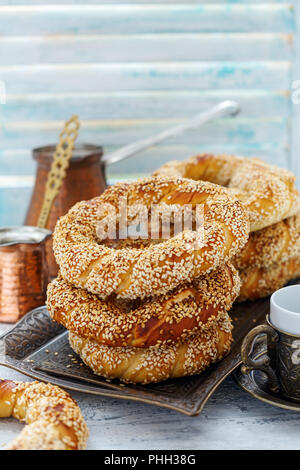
column 260, row 282
column 54, row 420
column 268, row 192
column 271, row 245
column 86, row 262
column 155, row 364
column 165, row 319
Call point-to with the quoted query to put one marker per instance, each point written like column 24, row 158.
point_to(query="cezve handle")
column 222, row 109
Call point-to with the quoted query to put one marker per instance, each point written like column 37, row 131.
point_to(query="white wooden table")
column 231, row 420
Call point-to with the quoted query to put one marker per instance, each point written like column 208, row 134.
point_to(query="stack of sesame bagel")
column 149, row 308
column 271, row 256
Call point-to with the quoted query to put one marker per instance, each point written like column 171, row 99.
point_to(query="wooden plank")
column 146, row 76
column 15, row 191
column 232, row 419
column 146, row 18
column 295, row 111
column 137, row 105
column 13, row 205
column 19, row 162
column 70, row 49
column 223, row 131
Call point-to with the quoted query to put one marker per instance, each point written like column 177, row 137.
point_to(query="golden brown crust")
column 155, row 364
column 268, row 193
column 138, row 273
column 260, row 282
column 271, row 245
column 167, row 319
column 54, row 420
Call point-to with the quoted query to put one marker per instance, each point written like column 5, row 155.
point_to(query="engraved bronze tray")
column 39, row 348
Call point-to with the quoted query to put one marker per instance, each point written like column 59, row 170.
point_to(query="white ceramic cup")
column 285, row 309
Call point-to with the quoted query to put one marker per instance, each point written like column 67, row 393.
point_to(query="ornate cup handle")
column 2, row 352
column 263, row 363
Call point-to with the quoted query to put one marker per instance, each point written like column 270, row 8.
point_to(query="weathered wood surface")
column 231, row 420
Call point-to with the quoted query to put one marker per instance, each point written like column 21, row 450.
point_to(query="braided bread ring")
column 54, row 420
column 268, row 193
column 271, row 245
column 155, row 364
column 162, row 320
column 133, row 273
column 259, row 282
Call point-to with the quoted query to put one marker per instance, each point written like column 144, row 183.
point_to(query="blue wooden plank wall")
column 130, row 68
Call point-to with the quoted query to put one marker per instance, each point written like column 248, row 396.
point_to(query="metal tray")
column 256, row 383
column 39, row 348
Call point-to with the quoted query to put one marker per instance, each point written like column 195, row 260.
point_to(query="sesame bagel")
column 53, row 419
column 271, row 245
column 257, row 283
column 155, row 364
column 162, row 320
column 86, row 261
column 268, row 193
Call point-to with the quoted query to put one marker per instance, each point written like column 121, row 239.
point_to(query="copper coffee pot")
column 85, row 177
